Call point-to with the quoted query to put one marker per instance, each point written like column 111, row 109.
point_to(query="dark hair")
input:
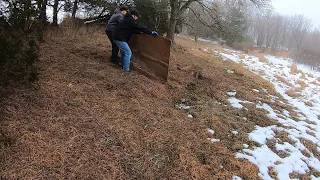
column 123, row 8
column 134, row 12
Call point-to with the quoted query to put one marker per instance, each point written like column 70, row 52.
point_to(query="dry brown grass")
column 308, row 103
column 315, row 83
column 284, row 54
column 302, row 84
column 262, row 58
column 91, row 119
column 263, row 51
column 292, row 93
column 311, row 147
column 242, row 56
column 294, row 69
column 310, row 75
column 283, row 80
column 254, row 52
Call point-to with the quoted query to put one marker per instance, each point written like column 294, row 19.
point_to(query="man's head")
column 124, row 10
column 134, row 14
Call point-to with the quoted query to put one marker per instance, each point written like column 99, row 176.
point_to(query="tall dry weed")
column 71, row 30
column 283, row 80
column 302, row 84
column 262, row 58
column 294, row 68
column 242, row 56
column 308, row 103
column 292, row 93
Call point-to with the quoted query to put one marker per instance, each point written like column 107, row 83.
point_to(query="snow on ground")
column 213, row 140
column 255, row 90
column 232, row 93
column 204, row 40
column 297, row 158
column 236, row 103
column 235, row 132
column 183, row 106
column 211, row 131
column 236, row 178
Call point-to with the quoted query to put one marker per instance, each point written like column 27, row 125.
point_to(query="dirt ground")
column 88, row 119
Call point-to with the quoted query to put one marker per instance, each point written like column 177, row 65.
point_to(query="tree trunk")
column 27, row 8
column 177, row 7
column 74, row 9
column 55, row 13
column 172, row 28
column 43, row 11
column 174, row 11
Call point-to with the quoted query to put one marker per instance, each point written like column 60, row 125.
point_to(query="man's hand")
column 154, row 33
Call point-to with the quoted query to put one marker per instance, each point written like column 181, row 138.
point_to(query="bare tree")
column 55, row 12
column 300, row 27
column 42, row 6
column 284, row 33
column 178, row 7
column 74, row 8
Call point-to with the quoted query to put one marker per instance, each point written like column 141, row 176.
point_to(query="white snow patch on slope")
column 236, row 178
column 298, row 129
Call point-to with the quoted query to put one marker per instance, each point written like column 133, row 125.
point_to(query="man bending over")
column 123, row 33
column 114, row 21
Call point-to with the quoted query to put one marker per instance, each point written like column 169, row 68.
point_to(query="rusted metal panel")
column 151, row 55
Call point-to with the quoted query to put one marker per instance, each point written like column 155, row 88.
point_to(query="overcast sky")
column 309, row 8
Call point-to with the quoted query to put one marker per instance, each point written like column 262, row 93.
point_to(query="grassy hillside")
column 87, row 119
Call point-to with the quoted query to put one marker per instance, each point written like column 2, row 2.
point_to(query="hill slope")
column 90, row 120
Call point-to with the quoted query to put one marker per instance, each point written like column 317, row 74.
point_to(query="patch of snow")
column 230, row 71
column 286, row 113
column 245, row 146
column 236, row 178
column 262, row 134
column 265, row 90
column 315, row 178
column 235, row 132
column 255, row 90
column 183, row 106
column 265, row 106
column 297, row 129
column 236, row 102
column 215, row 42
column 204, row 40
column 278, row 61
column 211, row 131
column 231, row 93
column 213, row 140
column 205, row 49
column 258, row 157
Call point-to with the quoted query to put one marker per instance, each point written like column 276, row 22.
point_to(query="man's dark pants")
column 115, row 48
